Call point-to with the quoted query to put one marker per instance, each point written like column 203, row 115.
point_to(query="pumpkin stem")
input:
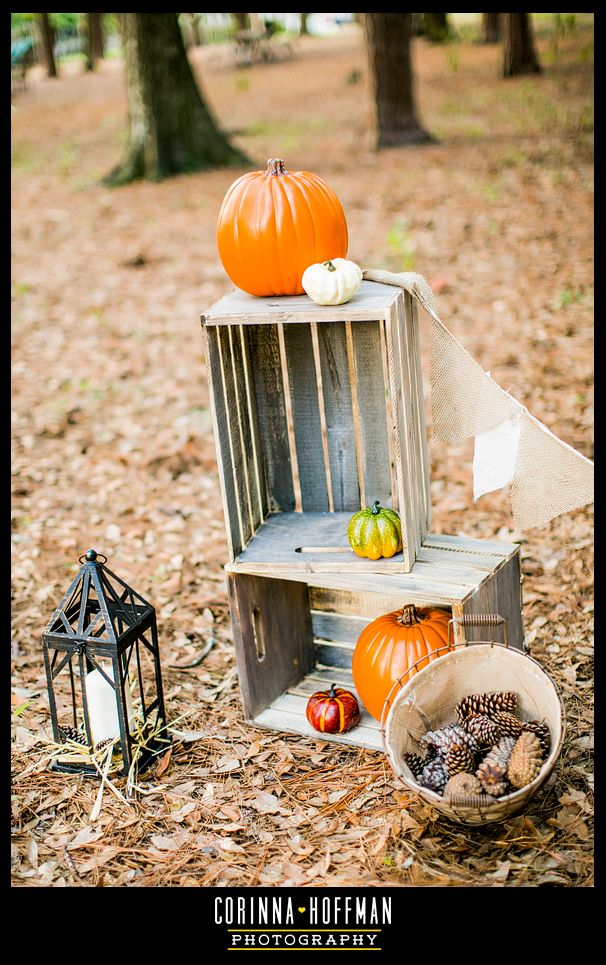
column 329, row 265
column 409, row 616
column 376, row 509
column 332, row 692
column 275, row 165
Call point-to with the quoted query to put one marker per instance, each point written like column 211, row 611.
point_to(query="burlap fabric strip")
column 550, row 477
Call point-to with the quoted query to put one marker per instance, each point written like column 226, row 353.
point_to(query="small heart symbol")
column 302, row 910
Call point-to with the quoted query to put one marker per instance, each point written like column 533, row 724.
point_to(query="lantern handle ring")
column 99, row 558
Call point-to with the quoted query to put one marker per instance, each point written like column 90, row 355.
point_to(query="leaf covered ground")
column 113, row 448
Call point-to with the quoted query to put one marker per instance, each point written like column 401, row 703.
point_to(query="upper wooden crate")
column 318, row 412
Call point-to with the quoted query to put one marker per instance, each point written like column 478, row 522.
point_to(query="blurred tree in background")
column 242, row 20
column 436, row 28
column 47, row 34
column 388, row 43
column 171, row 129
column 94, row 47
column 491, row 28
column 519, row 53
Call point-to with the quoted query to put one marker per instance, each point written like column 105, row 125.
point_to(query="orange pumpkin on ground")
column 334, row 711
column 389, row 646
column 274, row 224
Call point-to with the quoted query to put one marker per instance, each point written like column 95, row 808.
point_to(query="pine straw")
column 237, row 805
column 118, row 453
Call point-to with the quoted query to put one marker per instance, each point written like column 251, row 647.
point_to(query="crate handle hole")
column 257, row 624
column 323, row 549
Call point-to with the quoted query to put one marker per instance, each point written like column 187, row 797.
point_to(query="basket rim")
column 404, row 691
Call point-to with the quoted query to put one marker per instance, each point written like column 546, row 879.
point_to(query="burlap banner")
column 547, row 476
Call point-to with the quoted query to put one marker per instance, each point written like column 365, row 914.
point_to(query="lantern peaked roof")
column 98, row 605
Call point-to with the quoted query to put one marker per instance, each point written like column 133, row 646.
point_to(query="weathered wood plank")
column 321, row 677
column 241, row 428
column 337, row 627
column 235, row 439
column 414, row 404
column 260, row 482
column 408, row 425
column 400, row 440
column 334, row 654
column 465, row 544
column 231, row 508
column 388, row 418
column 372, row 421
column 272, row 632
column 371, row 603
column 372, row 300
column 318, row 542
column 501, row 593
column 264, row 348
column 295, row 702
column 295, row 722
column 306, row 416
column 337, row 402
column 412, row 308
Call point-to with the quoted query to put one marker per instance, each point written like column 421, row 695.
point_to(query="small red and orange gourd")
column 333, row 711
column 388, row 648
column 274, row 224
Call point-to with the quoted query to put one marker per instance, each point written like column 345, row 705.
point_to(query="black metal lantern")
column 103, row 669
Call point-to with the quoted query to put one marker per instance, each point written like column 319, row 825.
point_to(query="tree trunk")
column 242, row 21
column 491, row 32
column 196, row 29
column 93, row 39
column 388, row 42
column 95, row 35
column 171, row 128
column 435, row 27
column 519, row 54
column 303, row 28
column 48, row 38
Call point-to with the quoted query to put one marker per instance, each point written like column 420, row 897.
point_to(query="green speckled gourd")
column 375, row 533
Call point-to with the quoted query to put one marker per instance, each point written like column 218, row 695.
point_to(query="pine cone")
column 485, row 703
column 434, row 776
column 415, row 763
column 525, row 760
column 72, row 734
column 458, row 758
column 508, row 724
column 541, row 730
column 443, row 739
column 492, row 772
column 485, row 731
column 464, row 784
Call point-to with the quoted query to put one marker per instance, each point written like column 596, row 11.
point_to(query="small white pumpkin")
column 332, row 282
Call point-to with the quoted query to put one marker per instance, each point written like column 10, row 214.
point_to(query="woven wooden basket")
column 428, row 699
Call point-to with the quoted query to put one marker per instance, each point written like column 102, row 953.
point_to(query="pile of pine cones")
column 489, row 751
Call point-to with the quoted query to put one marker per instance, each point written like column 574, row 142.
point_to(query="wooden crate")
column 317, row 412
column 294, row 636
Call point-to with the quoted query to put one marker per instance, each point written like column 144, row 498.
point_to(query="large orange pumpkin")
column 389, row 646
column 274, row 224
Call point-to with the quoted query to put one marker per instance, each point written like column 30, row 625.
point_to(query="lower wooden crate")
column 295, row 632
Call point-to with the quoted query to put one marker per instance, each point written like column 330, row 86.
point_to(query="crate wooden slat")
column 317, row 410
column 309, row 622
column 372, row 300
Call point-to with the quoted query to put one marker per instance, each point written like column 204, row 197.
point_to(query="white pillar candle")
column 103, row 705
